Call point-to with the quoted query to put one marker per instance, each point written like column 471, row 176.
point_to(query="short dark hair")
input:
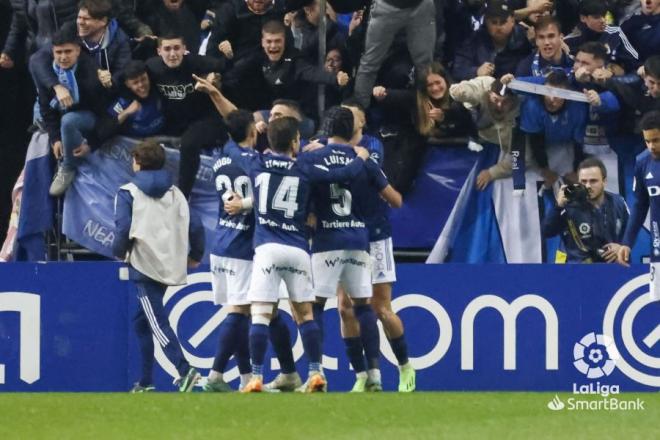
column 652, row 66
column 558, row 78
column 650, row 121
column 292, row 104
column 281, row 132
column 273, row 27
column 170, row 35
column 593, row 162
column 497, row 87
column 353, row 102
column 596, row 8
column 133, row 69
column 97, row 9
column 149, row 154
column 338, row 122
column 238, row 124
column 67, row 34
column 546, row 21
column 598, row 50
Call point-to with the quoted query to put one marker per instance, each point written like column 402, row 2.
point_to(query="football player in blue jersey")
column 341, row 238
column 383, row 272
column 647, row 189
column 231, row 257
column 281, row 200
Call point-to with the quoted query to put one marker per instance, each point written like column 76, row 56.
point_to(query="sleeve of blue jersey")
column 323, row 174
column 640, row 205
column 376, row 175
column 123, row 220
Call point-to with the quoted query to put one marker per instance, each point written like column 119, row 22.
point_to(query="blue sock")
column 368, row 334
column 400, row 349
column 280, row 337
column 311, row 339
column 354, row 352
column 242, row 348
column 317, row 310
column 227, row 339
column 258, row 345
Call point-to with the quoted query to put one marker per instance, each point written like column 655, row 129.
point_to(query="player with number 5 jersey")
column 282, row 187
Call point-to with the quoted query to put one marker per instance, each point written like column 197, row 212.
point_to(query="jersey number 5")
column 341, row 200
column 284, row 198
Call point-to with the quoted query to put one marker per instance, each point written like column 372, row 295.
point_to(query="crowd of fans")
column 430, row 72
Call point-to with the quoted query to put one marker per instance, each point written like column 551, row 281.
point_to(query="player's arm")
column 392, row 196
column 322, row 174
column 196, row 238
column 123, row 219
column 637, row 215
column 386, row 191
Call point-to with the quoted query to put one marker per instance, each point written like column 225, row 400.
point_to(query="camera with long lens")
column 576, row 193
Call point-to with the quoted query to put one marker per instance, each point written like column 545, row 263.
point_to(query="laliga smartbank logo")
column 595, row 356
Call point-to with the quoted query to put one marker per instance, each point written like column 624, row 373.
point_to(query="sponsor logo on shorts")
column 343, row 261
column 293, row 270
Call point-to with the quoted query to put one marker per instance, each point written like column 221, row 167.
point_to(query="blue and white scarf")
column 67, row 78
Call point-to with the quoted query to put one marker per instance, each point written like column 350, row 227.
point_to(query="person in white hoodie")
column 156, row 234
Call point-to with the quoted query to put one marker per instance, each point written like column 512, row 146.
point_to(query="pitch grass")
column 332, row 416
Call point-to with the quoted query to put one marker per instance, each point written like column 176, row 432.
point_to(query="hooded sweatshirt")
column 154, row 226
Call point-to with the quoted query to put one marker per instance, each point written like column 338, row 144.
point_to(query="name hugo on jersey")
column 222, row 162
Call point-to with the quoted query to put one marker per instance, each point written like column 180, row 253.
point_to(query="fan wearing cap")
column 623, row 57
column 496, row 49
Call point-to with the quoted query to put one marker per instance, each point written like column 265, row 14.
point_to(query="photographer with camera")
column 590, row 220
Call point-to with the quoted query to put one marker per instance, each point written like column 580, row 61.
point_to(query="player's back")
column 233, row 233
column 281, row 198
column 340, row 207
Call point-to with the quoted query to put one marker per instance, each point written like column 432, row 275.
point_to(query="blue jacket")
column 592, row 227
column 112, row 55
column 154, row 184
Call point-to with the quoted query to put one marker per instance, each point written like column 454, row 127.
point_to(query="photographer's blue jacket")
column 584, row 228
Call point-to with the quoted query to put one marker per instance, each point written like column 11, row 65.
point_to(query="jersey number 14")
column 285, row 196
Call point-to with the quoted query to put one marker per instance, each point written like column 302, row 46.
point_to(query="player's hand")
column 261, row 127
column 63, row 96
column 362, row 152
column 233, row 206
column 104, row 78
column 483, row 179
column 226, row 49
column 611, row 252
column 561, row 197
column 312, row 145
column 58, row 151
column 82, row 150
column 623, row 255
column 486, row 69
column 192, row 264
column 356, row 20
column 593, row 97
column 542, row 6
column 379, row 93
column 531, row 33
column 6, row 62
column 342, row 78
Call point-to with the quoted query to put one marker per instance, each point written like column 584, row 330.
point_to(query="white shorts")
column 230, row 280
column 350, row 268
column 654, row 284
column 274, row 263
column 382, row 261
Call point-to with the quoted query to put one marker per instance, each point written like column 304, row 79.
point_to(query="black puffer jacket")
column 32, row 26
